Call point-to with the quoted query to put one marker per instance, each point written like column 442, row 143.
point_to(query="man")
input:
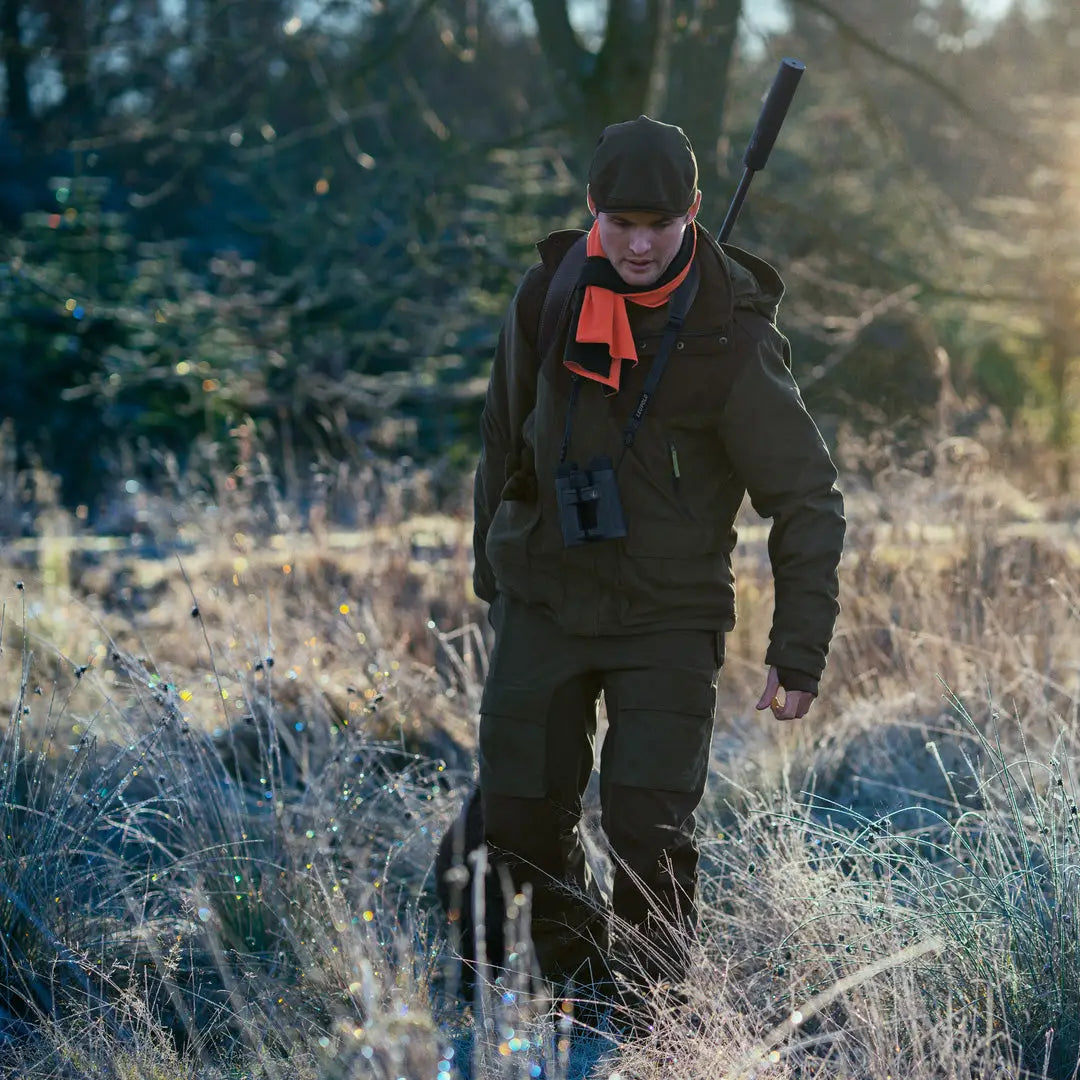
column 604, row 507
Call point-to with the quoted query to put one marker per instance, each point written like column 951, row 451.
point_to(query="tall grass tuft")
column 846, row 946
column 63, row 885
column 213, row 908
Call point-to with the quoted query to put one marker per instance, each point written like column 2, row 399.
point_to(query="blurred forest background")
column 272, row 240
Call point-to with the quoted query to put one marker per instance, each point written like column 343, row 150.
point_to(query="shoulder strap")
column 677, row 308
column 558, row 296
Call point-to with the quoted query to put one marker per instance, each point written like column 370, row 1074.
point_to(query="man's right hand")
column 796, row 703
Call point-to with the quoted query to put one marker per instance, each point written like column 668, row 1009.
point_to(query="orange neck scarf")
column 604, row 319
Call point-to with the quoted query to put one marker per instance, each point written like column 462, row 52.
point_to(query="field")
column 224, row 772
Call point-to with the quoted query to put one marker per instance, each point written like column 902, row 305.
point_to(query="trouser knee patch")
column 513, row 740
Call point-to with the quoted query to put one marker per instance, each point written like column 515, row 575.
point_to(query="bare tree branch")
column 918, row 72
column 835, row 239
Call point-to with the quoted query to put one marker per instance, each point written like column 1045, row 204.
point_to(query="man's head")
column 643, row 190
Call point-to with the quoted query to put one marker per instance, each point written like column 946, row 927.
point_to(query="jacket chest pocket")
column 699, row 372
column 694, row 455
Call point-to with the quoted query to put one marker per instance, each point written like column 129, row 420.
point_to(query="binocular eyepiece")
column 589, row 506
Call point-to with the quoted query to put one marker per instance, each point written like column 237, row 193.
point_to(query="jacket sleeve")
column 780, row 456
column 511, row 396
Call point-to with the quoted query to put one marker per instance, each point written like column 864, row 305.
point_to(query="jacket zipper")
column 676, row 479
column 676, row 475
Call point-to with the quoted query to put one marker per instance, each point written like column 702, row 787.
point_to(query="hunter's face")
column 640, row 244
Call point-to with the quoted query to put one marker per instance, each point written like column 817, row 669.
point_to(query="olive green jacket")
column 727, row 420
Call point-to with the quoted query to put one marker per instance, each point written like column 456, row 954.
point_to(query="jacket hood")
column 756, row 284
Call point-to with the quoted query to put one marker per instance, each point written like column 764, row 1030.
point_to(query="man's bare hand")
column 795, row 704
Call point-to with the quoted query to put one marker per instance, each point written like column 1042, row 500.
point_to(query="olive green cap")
column 643, row 164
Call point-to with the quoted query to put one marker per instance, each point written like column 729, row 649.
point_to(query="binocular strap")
column 681, row 300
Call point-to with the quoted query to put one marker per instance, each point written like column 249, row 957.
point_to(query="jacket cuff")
column 792, row 679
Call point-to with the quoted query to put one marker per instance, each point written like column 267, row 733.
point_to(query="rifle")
column 761, row 141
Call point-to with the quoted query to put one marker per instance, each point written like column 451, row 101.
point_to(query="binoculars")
column 589, row 506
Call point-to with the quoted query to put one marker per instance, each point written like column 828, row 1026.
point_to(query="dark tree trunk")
column 670, row 58
column 701, row 48
column 16, row 83
column 68, row 27
column 608, row 86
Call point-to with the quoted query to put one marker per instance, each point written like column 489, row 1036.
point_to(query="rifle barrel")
column 770, row 120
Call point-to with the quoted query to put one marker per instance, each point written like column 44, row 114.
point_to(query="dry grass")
column 223, row 778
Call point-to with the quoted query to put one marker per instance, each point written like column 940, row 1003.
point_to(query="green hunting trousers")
column 537, row 734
